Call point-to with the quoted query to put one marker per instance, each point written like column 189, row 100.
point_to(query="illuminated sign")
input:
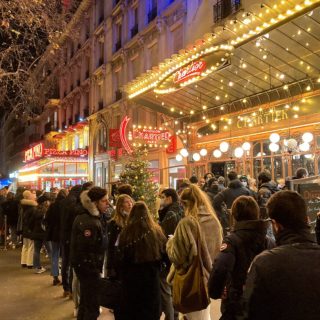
column 123, row 137
column 151, row 136
column 38, row 151
column 34, row 152
column 192, row 70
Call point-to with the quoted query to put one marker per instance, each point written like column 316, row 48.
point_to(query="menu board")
column 311, row 194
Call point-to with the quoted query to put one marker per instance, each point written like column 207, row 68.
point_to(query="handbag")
column 110, row 293
column 189, row 289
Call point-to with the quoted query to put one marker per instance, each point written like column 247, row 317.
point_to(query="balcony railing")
column 118, row 45
column 134, row 30
column 118, row 95
column 152, row 14
column 224, row 8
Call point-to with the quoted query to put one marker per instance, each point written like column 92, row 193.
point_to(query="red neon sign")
column 33, row 153
column 192, row 70
column 123, row 138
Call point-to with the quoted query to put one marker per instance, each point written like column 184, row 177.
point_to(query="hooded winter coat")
column 87, row 239
column 28, row 208
column 283, row 283
column 169, row 218
column 266, row 190
column 230, row 267
column 36, row 220
column 182, row 247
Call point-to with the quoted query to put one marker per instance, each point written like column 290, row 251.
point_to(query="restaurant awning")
column 268, row 53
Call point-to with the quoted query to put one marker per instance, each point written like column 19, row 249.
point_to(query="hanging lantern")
column 274, row 137
column 307, row 137
column 238, row 152
column 203, row 152
column 196, row 156
column 184, row 152
column 246, row 146
column 304, row 147
column 179, row 157
column 224, row 146
column 217, row 153
column 274, row 147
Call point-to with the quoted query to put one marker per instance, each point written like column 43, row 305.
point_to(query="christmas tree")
column 136, row 173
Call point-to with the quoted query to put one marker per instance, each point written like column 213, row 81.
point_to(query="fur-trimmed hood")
column 26, row 202
column 88, row 204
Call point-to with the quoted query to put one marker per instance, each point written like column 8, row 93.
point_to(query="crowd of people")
column 248, row 245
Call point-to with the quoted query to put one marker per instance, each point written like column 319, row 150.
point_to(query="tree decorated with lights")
column 137, row 173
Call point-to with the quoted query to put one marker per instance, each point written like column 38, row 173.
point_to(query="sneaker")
column 75, row 312
column 40, row 270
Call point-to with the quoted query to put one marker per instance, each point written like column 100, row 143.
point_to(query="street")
column 25, row 295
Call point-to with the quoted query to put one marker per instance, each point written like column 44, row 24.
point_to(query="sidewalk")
column 25, row 295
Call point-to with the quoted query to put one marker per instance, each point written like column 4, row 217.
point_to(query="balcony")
column 134, row 30
column 86, row 112
column 118, row 45
column 100, row 105
column 152, row 14
column 118, row 95
column 224, row 8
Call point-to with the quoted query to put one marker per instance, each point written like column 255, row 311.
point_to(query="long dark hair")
column 142, row 236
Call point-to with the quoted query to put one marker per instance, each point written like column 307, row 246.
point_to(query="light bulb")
column 224, row 146
column 304, row 147
column 196, row 156
column 179, row 157
column 238, row 152
column 203, row 152
column 307, row 137
column 217, row 153
column 184, row 152
column 274, row 147
column 246, row 146
column 274, row 137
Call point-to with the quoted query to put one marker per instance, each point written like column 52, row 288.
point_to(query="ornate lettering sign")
column 34, row 153
column 192, row 70
column 151, row 136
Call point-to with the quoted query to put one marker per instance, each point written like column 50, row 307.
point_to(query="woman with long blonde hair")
column 200, row 225
column 123, row 207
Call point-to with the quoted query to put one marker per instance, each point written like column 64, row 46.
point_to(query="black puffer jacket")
column 169, row 218
column 11, row 210
column 70, row 207
column 230, row 268
column 53, row 219
column 265, row 191
column 87, row 250
column 28, row 208
column 283, row 283
column 36, row 220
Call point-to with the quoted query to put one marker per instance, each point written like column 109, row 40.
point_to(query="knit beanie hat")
column 27, row 195
column 96, row 193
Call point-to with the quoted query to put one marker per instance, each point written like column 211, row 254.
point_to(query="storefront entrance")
column 222, row 168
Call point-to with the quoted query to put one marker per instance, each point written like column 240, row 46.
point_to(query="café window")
column 177, row 172
column 154, row 168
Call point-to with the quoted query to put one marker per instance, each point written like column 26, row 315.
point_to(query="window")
column 135, row 22
column 71, row 168
column 118, row 33
column 58, row 167
column 177, row 38
column 82, row 168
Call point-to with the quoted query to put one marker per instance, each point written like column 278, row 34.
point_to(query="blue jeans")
column 55, row 253
column 36, row 254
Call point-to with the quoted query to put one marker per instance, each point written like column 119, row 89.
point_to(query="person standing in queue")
column 87, row 250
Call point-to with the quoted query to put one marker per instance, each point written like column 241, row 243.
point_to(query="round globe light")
column 238, row 152
column 217, row 153
column 308, row 156
column 292, row 143
column 184, row 152
column 224, row 146
column 179, row 157
column 203, row 152
column 304, row 147
column 246, row 146
column 307, row 137
column 274, row 147
column 196, row 156
column 274, row 137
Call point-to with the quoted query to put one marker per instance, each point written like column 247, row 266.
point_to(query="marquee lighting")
column 184, row 152
column 238, row 152
column 203, row 152
column 274, row 147
column 246, row 146
column 304, row 147
column 217, row 153
column 196, row 156
column 250, row 27
column 179, row 157
column 224, row 146
column 307, row 137
column 274, row 137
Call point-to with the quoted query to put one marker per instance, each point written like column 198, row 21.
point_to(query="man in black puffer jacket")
column 283, row 283
column 87, row 250
column 227, row 196
column 247, row 239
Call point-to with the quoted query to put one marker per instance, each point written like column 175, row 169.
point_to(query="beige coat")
column 182, row 247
